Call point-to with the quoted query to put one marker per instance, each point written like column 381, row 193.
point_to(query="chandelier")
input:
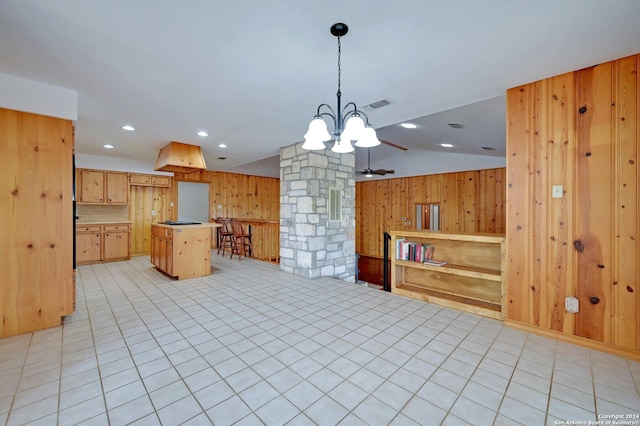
column 347, row 122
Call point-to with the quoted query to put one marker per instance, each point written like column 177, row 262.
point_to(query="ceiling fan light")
column 369, row 174
column 368, row 138
column 353, row 128
column 342, row 146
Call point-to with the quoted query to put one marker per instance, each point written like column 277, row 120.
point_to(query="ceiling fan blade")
column 394, row 145
column 383, row 172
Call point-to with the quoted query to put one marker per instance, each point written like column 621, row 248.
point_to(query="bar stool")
column 225, row 236
column 241, row 240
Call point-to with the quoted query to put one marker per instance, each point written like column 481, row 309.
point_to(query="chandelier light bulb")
column 342, row 146
column 369, row 139
column 354, row 128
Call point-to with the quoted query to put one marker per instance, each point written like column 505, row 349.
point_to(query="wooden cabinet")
column 162, row 249
column 116, row 242
column 182, row 251
column 102, row 243
column 117, row 190
column 88, row 244
column 102, row 187
column 37, row 287
column 472, row 280
column 149, row 180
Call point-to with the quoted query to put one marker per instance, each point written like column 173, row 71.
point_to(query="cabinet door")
column 160, row 180
column 117, row 188
column 88, row 247
column 91, row 186
column 140, row 179
column 155, row 250
column 162, row 254
column 116, row 245
column 169, row 257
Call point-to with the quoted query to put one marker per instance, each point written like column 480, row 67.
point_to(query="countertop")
column 103, row 222
column 202, row 225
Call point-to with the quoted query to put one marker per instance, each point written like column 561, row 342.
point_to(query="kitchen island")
column 182, row 250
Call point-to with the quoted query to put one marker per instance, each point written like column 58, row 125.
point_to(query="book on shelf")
column 413, row 251
column 435, row 262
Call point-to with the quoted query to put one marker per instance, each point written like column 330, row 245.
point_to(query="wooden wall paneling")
column 381, row 204
column 520, row 101
column 561, row 142
column 539, row 205
column 143, row 201
column 626, row 292
column 500, row 177
column 595, row 201
column 470, row 194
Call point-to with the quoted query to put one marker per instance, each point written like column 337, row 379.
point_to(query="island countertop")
column 200, row 225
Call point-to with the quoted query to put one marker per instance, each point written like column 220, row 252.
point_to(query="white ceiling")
column 252, row 73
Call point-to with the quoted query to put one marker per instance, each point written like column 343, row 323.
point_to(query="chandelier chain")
column 339, row 63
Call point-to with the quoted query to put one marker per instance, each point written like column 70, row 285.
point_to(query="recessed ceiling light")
column 446, row 145
column 408, row 125
column 203, row 133
column 221, row 145
column 108, row 146
column 128, row 128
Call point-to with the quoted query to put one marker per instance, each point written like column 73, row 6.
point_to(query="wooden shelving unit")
column 472, row 280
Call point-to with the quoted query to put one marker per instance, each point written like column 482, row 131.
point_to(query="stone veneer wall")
column 310, row 245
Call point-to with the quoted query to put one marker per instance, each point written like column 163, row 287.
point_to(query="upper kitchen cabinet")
column 102, row 187
column 149, row 180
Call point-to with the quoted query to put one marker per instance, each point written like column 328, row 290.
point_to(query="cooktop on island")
column 180, row 222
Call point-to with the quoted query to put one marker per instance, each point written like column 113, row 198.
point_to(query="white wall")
column 38, row 98
column 420, row 163
column 101, row 162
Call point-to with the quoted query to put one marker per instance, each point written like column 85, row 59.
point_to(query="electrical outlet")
column 219, row 206
column 170, row 203
column 154, row 213
column 571, row 304
column 557, row 191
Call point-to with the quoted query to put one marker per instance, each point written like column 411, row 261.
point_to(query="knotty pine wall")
column 472, row 201
column 579, row 130
column 143, row 200
column 241, row 196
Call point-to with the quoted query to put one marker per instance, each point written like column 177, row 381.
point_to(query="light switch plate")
column 557, row 191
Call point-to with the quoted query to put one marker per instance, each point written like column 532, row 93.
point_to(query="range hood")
column 180, row 157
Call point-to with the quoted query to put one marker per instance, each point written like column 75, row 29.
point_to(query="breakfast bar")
column 182, row 249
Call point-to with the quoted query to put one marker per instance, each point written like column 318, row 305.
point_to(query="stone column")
column 310, row 244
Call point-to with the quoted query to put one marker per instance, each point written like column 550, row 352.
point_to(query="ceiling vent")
column 377, row 104
column 181, row 158
column 455, row 125
column 488, row 148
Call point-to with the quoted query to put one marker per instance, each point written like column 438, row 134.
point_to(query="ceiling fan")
column 369, row 173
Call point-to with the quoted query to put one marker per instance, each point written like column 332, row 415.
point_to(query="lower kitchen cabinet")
column 97, row 243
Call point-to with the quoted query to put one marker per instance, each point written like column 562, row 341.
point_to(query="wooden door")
column 91, row 186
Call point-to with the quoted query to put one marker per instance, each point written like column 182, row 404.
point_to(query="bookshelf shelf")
column 472, row 280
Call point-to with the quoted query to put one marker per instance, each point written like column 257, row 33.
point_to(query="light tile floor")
column 252, row 345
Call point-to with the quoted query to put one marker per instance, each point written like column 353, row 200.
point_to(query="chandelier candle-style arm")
column 347, row 123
